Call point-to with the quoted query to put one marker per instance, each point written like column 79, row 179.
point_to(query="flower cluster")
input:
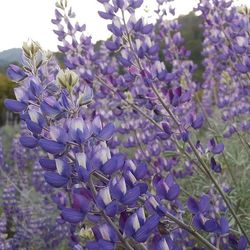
column 27, row 222
column 120, row 128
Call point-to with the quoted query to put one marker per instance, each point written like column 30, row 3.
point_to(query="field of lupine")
column 120, row 148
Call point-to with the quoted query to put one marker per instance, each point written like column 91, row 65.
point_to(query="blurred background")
column 31, row 19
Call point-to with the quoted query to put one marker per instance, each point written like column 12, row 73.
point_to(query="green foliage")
column 6, row 91
column 192, row 34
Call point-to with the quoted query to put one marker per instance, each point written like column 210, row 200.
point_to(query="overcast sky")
column 23, row 19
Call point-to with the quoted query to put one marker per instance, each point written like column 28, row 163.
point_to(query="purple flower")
column 200, row 206
column 112, row 46
column 14, row 106
column 237, row 244
column 216, row 167
column 216, row 148
column 59, row 179
column 47, row 164
column 119, row 3
column 117, row 31
column 105, row 237
column 35, row 121
column 242, row 68
column 162, row 243
column 105, row 15
column 139, row 170
column 83, row 167
column 50, row 106
column 79, row 131
column 135, row 3
column 166, row 128
column 139, row 227
column 15, row 73
column 120, row 191
column 52, row 147
column 72, row 215
column 211, row 225
column 102, row 133
column 146, row 29
column 104, row 202
column 114, row 164
column 167, row 188
column 197, row 122
column 28, row 141
column 55, row 179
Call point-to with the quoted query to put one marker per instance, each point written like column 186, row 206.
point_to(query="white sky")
column 24, row 19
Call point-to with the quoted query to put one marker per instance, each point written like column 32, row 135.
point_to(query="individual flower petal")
column 223, row 225
column 166, row 128
column 103, row 198
column 119, row 189
column 131, row 196
column 111, row 209
column 36, row 88
column 108, row 233
column 72, row 215
column 147, row 28
column 132, row 225
column 51, row 146
column 55, row 179
column 15, row 73
column 58, row 134
column 113, row 164
column 107, row 132
column 47, row 164
column 218, row 148
column 143, row 233
column 198, row 122
column 33, row 127
column 50, row 106
column 197, row 222
column 81, row 203
column 28, row 141
column 210, row 225
column 105, row 15
column 173, row 192
column 216, row 167
column 97, row 125
column 242, row 245
column 192, row 205
column 14, row 106
column 86, row 97
column 62, row 167
column 204, row 203
column 141, row 215
column 113, row 46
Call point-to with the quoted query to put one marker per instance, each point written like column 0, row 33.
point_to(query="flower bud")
column 31, row 48
column 67, row 79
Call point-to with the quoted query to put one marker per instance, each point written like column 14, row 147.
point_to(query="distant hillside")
column 10, row 56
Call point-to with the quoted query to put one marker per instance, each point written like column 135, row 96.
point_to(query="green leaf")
column 168, row 154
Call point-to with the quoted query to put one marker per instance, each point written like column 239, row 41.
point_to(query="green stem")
column 206, row 169
column 209, row 174
column 169, row 216
column 191, row 231
column 214, row 128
